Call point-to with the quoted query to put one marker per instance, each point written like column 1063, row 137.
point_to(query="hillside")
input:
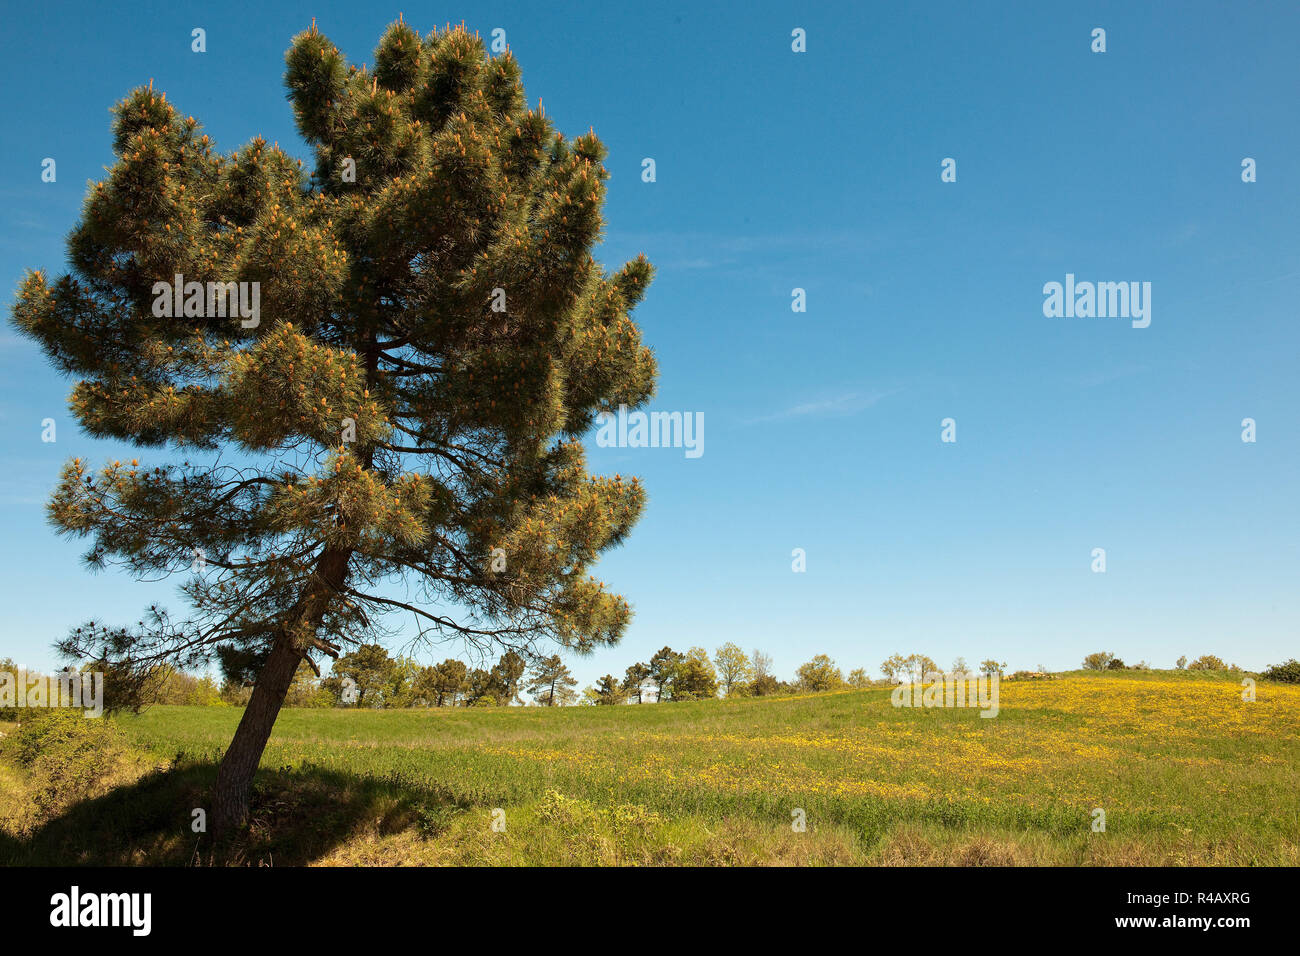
column 1185, row 770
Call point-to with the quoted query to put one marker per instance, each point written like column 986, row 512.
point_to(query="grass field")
column 1185, row 770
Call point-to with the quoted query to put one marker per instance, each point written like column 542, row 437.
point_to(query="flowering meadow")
column 1083, row 768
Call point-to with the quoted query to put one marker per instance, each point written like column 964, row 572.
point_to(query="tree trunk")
column 235, row 777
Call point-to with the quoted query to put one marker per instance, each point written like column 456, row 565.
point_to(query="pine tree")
column 442, row 684
column 504, row 678
column 609, row 691
column 551, row 682
column 634, row 677
column 428, row 338
column 663, row 668
column 371, row 671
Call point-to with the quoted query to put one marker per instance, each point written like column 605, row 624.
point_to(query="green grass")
column 1186, row 771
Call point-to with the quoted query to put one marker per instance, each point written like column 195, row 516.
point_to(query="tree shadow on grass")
column 298, row 816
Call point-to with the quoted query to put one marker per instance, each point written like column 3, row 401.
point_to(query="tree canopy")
column 401, row 415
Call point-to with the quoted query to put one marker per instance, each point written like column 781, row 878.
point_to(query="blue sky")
column 821, row 171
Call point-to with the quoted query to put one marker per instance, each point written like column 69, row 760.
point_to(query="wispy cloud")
column 846, row 404
column 1107, row 375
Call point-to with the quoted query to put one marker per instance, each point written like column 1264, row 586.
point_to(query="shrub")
column 559, row 809
column 321, row 698
column 67, row 756
column 620, row 834
column 1207, row 662
column 236, row 694
column 1286, row 673
column 767, row 685
column 167, row 685
column 1098, row 661
column 63, row 733
column 820, row 674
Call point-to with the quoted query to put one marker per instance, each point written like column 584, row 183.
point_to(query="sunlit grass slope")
column 1185, row 770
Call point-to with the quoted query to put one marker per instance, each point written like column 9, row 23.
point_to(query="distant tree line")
column 1106, row 661
column 369, row 677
